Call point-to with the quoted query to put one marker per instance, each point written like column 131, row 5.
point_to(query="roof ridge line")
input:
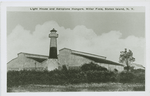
column 84, row 52
column 32, row 54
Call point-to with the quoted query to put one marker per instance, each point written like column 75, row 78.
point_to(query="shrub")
column 132, row 77
column 92, row 66
column 139, row 88
column 126, row 77
column 86, row 75
column 100, row 76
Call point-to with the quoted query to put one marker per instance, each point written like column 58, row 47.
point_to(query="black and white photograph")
column 75, row 49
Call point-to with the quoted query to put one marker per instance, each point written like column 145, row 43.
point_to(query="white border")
column 3, row 72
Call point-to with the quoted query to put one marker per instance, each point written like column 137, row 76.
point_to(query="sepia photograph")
column 53, row 49
column 63, row 49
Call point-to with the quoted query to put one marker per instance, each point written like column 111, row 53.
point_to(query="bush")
column 132, row 77
column 92, row 66
column 126, row 77
column 139, row 88
column 16, row 78
column 100, row 76
column 86, row 75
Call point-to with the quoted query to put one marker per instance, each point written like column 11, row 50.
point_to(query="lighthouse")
column 53, row 44
column 52, row 62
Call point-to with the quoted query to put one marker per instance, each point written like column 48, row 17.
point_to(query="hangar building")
column 69, row 58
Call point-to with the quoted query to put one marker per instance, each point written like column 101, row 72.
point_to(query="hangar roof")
column 36, row 57
column 93, row 57
column 83, row 53
column 100, row 60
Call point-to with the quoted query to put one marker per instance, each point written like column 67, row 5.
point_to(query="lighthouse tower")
column 52, row 62
column 53, row 44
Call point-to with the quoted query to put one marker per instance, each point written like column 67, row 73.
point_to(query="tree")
column 127, row 58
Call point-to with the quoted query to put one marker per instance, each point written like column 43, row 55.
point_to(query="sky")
column 100, row 33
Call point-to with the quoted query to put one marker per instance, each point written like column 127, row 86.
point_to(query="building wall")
column 67, row 58
column 22, row 62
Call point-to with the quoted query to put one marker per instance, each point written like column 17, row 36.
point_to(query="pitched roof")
column 36, row 57
column 93, row 57
column 33, row 55
column 100, row 60
column 84, row 53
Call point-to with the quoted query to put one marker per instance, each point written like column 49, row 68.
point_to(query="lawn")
column 93, row 87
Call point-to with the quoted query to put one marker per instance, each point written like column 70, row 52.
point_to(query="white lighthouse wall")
column 50, row 64
column 53, row 42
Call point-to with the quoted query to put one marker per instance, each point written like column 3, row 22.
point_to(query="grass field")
column 93, row 87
